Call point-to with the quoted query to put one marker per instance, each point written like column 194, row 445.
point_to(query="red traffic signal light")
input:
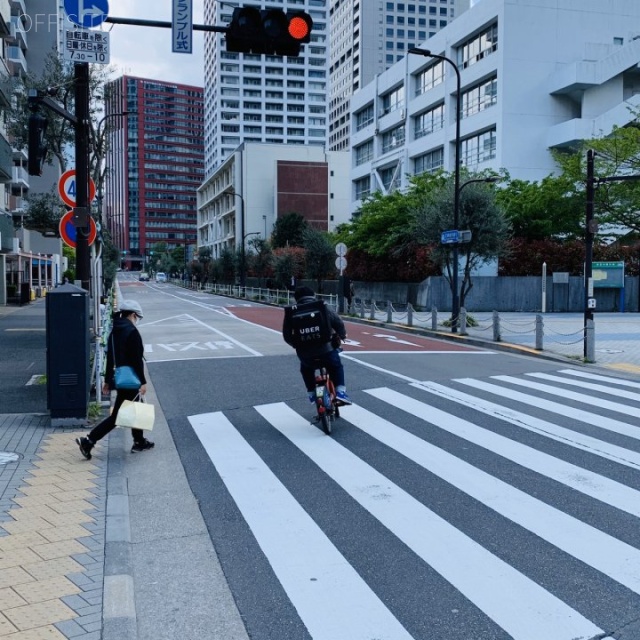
column 269, row 31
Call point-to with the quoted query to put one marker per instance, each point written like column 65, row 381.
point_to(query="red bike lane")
column 361, row 338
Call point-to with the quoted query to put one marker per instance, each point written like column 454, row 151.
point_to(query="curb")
column 119, row 611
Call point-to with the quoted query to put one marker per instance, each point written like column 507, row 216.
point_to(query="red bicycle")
column 326, row 402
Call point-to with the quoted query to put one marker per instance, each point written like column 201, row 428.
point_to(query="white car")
column 161, row 277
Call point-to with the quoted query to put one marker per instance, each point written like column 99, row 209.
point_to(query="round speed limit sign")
column 67, row 188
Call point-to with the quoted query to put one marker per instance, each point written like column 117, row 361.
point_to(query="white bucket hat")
column 131, row 305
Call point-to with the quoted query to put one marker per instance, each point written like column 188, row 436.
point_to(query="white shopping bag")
column 136, row 415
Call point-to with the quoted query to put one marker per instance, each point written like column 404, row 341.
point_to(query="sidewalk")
column 116, row 547
column 97, row 549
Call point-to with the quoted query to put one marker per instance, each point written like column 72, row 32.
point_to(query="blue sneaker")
column 343, row 398
column 312, row 396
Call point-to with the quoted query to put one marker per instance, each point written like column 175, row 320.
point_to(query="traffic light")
column 270, row 31
column 37, row 147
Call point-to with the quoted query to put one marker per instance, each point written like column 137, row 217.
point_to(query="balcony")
column 19, row 178
column 6, row 87
column 6, row 161
column 17, row 61
column 18, row 33
column 17, row 6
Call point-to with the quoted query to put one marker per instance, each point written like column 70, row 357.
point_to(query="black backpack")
column 310, row 324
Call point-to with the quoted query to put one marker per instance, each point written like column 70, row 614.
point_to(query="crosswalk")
column 480, row 509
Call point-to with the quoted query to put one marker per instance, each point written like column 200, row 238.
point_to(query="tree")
column 57, row 79
column 44, row 211
column 320, row 256
column 616, row 154
column 479, row 213
column 551, row 208
column 288, row 263
column 289, row 231
column 260, row 258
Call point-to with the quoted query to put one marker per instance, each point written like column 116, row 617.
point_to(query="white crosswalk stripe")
column 335, row 602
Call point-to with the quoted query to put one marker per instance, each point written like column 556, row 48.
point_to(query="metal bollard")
column 434, row 319
column 362, row 308
column 372, row 313
column 539, row 332
column 463, row 322
column 389, row 311
column 591, row 341
column 409, row 315
column 496, row 327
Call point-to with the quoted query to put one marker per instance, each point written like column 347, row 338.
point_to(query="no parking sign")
column 68, row 230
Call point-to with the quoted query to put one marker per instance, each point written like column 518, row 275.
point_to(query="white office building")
column 263, row 98
column 259, row 182
column 535, row 75
column 369, row 36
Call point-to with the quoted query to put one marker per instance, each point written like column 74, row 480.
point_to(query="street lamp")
column 231, row 192
column 455, row 305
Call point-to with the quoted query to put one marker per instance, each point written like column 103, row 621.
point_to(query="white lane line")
column 516, row 603
column 570, row 395
column 228, row 337
column 620, row 393
column 332, row 600
column 587, row 482
column 588, row 417
column 536, row 425
column 614, row 558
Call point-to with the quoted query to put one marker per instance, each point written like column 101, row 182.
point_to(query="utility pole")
column 81, row 210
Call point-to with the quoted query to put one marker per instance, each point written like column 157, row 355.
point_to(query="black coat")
column 125, row 345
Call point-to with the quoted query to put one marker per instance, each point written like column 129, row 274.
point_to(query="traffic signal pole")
column 81, row 210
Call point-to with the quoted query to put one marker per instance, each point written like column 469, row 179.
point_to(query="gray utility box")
column 67, row 355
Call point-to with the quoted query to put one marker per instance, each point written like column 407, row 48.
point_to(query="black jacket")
column 317, row 350
column 125, row 342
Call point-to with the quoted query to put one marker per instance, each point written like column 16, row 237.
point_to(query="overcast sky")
column 146, row 51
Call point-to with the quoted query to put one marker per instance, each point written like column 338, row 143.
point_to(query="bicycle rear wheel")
column 326, row 423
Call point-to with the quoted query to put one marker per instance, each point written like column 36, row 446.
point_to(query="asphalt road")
column 467, row 494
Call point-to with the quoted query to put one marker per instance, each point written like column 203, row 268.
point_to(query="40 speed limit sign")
column 67, row 188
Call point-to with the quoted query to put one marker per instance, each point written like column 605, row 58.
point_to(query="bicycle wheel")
column 326, row 423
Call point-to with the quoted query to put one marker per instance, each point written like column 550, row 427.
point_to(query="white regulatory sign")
column 83, row 45
column 341, row 249
column 341, row 263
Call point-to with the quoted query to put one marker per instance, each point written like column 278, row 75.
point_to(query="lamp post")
column 455, row 305
column 242, row 236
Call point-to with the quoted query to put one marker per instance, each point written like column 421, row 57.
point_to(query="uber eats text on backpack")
column 310, row 324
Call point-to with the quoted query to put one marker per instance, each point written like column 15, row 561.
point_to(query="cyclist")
column 314, row 355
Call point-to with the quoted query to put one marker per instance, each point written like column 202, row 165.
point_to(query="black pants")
column 330, row 360
column 109, row 423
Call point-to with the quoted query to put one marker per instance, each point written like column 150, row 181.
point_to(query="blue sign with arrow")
column 87, row 13
column 450, row 237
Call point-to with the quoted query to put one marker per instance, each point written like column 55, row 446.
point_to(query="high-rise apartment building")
column 154, row 164
column 263, row 98
column 369, row 36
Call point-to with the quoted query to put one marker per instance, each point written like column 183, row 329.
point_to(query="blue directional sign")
column 450, row 237
column 87, row 13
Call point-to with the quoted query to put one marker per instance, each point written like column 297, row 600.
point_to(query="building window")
column 430, row 77
column 390, row 178
column 393, row 139
column 429, row 162
column 392, row 100
column 429, row 121
column 364, row 153
column 479, row 97
column 364, row 117
column 478, row 148
column 478, row 47
column 362, row 187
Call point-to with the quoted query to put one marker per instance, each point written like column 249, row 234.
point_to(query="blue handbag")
column 124, row 377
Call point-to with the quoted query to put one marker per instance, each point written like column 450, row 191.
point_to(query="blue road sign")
column 450, row 237
column 87, row 13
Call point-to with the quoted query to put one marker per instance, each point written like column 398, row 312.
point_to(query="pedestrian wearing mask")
column 124, row 348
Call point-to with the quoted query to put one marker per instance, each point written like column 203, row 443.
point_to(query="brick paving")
column 52, row 533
